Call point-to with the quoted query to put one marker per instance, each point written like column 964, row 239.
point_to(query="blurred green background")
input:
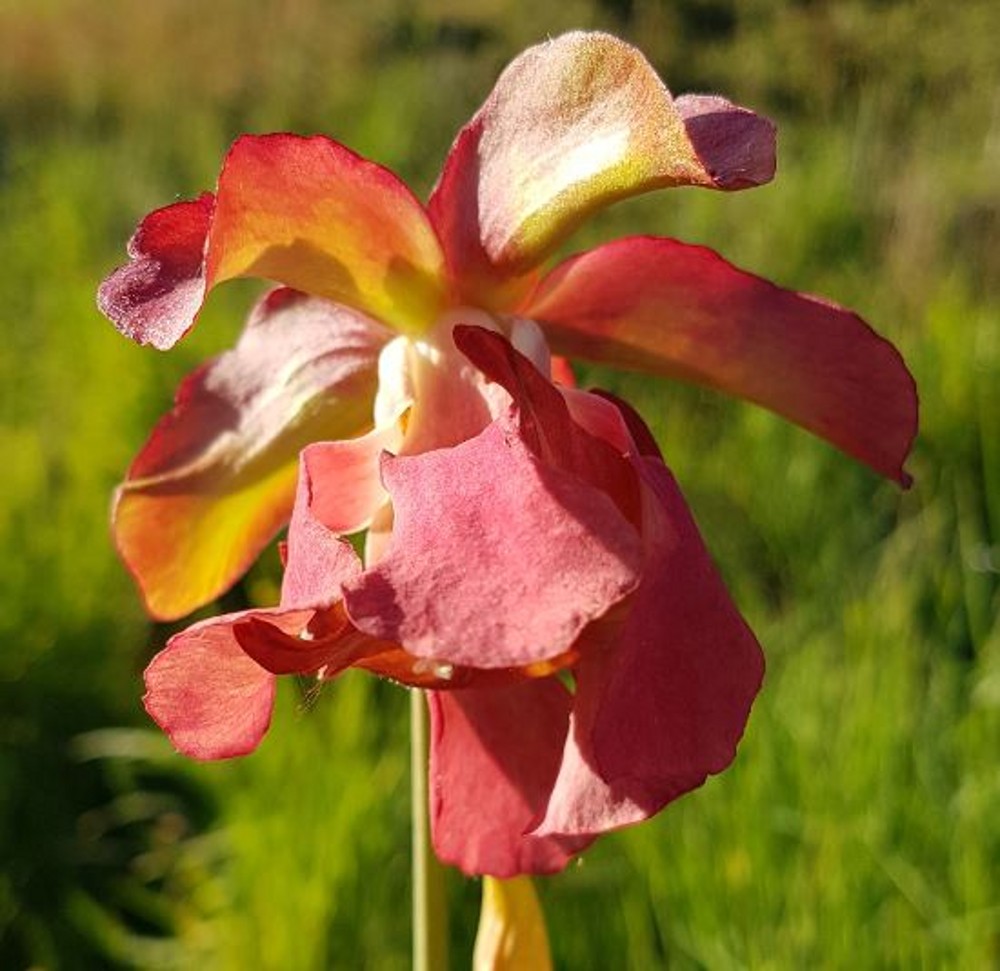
column 860, row 825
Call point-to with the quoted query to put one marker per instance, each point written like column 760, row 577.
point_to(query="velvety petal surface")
column 663, row 704
column 216, row 480
column 212, row 700
column 545, row 423
column 156, row 295
column 664, row 307
column 306, row 212
column 573, row 124
column 493, row 756
column 495, row 559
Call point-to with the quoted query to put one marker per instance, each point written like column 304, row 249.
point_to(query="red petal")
column 281, row 648
column 495, row 560
column 643, row 442
column 210, row 698
column 306, row 212
column 574, row 124
column 216, row 479
column 494, row 755
column 681, row 311
column 154, row 297
column 664, row 705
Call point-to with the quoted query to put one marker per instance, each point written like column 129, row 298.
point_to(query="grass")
column 859, row 826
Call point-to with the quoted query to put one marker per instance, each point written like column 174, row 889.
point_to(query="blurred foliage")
column 860, row 825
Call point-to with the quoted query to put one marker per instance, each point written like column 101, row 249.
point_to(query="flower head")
column 522, row 535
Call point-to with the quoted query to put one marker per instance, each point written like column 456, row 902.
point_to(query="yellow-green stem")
column 430, row 911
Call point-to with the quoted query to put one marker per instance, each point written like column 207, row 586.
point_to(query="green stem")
column 430, row 912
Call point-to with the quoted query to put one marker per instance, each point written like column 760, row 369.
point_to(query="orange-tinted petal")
column 306, row 212
column 573, row 124
column 664, row 307
column 315, row 216
column 216, row 480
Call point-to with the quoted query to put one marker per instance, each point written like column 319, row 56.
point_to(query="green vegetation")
column 860, row 826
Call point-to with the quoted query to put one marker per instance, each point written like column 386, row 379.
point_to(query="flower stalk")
column 430, row 911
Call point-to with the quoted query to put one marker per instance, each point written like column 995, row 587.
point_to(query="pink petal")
column 345, row 488
column 681, row 311
column 317, row 561
column 592, row 411
column 545, row 423
column 210, row 698
column 573, row 124
column 494, row 755
column 496, row 559
column 664, row 704
column 216, row 480
column 154, row 297
column 311, row 630
column 306, row 212
column 342, row 478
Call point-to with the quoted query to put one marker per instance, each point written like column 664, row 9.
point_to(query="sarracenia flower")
column 529, row 557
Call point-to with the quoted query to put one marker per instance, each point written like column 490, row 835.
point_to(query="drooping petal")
column 216, row 479
column 545, row 422
column 496, row 559
column 494, row 755
column 735, row 147
column 664, row 307
column 306, row 212
column 574, row 124
column 664, row 704
column 212, row 700
column 511, row 934
column 154, row 297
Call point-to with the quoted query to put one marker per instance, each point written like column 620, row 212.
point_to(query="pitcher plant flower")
column 528, row 556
